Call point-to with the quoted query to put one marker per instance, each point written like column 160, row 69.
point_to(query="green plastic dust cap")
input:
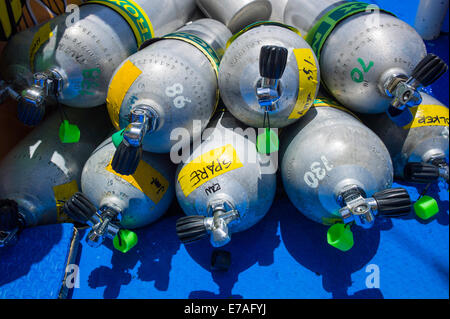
column 117, row 138
column 125, row 240
column 69, row 133
column 340, row 236
column 267, row 142
column 426, row 207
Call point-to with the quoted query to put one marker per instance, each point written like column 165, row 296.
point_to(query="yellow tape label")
column 40, row 37
column 118, row 88
column 429, row 115
column 307, row 82
column 146, row 179
column 62, row 194
column 208, row 166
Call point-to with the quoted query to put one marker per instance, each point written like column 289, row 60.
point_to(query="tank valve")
column 393, row 202
column 193, row 228
column 31, row 106
column 104, row 223
column 405, row 91
column 272, row 63
column 11, row 222
column 144, row 119
column 427, row 172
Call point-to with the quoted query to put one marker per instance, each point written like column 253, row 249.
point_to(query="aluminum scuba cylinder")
column 335, row 170
column 42, row 172
column 419, row 150
column 225, row 185
column 74, row 55
column 170, row 85
column 268, row 74
column 236, row 14
column 111, row 204
column 371, row 61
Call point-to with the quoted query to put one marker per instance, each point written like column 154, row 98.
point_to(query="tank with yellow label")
column 371, row 61
column 419, row 150
column 73, row 56
column 335, row 170
column 110, row 202
column 224, row 186
column 269, row 75
column 42, row 172
column 168, row 86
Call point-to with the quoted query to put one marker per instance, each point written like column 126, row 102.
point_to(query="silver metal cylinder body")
column 41, row 172
column 226, row 167
column 278, row 7
column 304, row 14
column 140, row 198
column 327, row 151
column 239, row 76
column 236, row 14
column 425, row 139
column 86, row 52
column 174, row 78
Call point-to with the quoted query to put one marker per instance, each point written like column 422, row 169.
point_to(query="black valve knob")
column 421, row 173
column 9, row 215
column 272, row 61
column 429, row 70
column 30, row 112
column 393, row 202
column 79, row 208
column 126, row 159
column 401, row 118
column 191, row 228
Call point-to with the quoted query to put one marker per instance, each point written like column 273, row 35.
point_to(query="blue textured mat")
column 36, row 265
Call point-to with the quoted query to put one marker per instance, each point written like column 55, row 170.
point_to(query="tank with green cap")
column 113, row 205
column 39, row 174
column 371, row 61
column 167, row 90
column 337, row 172
column 72, row 56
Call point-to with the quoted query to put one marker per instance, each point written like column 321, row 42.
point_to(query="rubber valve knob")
column 272, row 61
column 9, row 215
column 29, row 112
column 429, row 70
column 126, row 159
column 421, row 173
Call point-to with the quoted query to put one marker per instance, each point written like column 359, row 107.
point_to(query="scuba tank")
column 419, row 150
column 42, row 172
column 337, row 171
column 269, row 76
column 169, row 85
column 371, row 61
column 111, row 204
column 236, row 14
column 73, row 56
column 225, row 186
